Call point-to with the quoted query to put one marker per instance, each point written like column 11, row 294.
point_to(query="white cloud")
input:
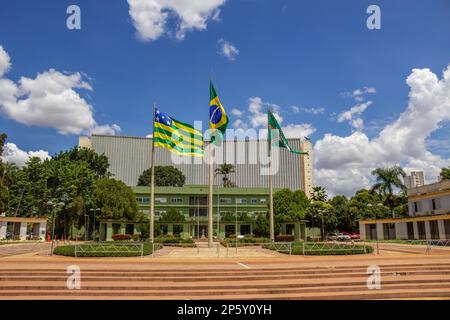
column 13, row 154
column 49, row 100
column 256, row 118
column 227, row 49
column 295, row 109
column 353, row 115
column 315, row 111
column 5, row 62
column 151, row 17
column 298, row 130
column 108, row 130
column 236, row 112
column 344, row 164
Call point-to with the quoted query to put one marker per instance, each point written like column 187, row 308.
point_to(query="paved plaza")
column 184, row 273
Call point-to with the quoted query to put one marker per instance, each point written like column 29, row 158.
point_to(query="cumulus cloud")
column 359, row 94
column 5, row 62
column 312, row 110
column 353, row 115
column 50, row 100
column 12, row 153
column 343, row 164
column 236, row 112
column 256, row 118
column 151, row 18
column 227, row 49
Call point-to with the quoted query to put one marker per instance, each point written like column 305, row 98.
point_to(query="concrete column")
column 380, row 233
column 401, row 231
column 123, row 227
column 109, row 231
column 362, row 231
column 427, row 230
column 3, row 227
column 441, row 227
column 23, row 231
column 170, row 229
column 416, row 230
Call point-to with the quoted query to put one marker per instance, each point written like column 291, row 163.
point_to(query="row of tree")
column 69, row 189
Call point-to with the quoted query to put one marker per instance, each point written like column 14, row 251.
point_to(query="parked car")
column 352, row 235
column 337, row 236
column 355, row 236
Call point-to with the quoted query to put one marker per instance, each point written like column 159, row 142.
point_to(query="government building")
column 235, row 208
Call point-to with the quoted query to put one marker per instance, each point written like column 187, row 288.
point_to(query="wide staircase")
column 341, row 282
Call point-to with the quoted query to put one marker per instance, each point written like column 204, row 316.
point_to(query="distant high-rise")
column 414, row 180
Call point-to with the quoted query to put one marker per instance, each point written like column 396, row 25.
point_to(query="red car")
column 352, row 235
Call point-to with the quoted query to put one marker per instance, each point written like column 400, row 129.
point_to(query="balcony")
column 434, row 187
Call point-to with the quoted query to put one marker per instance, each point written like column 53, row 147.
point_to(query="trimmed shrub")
column 284, row 238
column 121, row 237
column 69, row 251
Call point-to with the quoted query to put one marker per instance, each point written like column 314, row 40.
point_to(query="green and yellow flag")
column 218, row 118
column 276, row 135
column 177, row 136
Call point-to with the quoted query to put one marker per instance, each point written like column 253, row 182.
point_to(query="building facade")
column 130, row 156
column 235, row 212
column 415, row 179
column 428, row 216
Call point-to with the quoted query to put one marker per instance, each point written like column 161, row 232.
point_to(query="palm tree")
column 225, row 170
column 388, row 179
column 319, row 194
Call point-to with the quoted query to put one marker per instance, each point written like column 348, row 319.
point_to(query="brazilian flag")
column 276, row 135
column 218, row 119
column 178, row 137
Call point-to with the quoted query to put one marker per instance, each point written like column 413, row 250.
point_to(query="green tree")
column 289, row 206
column 388, row 179
column 319, row 194
column 225, row 170
column 261, row 227
column 165, row 176
column 340, row 209
column 323, row 213
column 115, row 200
column 172, row 215
column 3, row 188
column 97, row 163
column 366, row 205
column 445, row 173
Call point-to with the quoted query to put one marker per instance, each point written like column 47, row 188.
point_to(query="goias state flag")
column 177, row 136
column 276, row 135
column 218, row 119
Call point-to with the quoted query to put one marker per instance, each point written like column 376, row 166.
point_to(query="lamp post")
column 376, row 222
column 55, row 207
column 94, row 211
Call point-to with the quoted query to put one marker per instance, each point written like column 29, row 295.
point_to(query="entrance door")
column 421, row 229
column 200, row 231
column 410, row 227
column 434, row 229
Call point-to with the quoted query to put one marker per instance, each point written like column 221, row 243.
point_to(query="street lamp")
column 94, row 211
column 376, row 224
column 55, row 205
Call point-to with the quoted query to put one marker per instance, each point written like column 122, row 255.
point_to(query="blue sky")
column 307, row 54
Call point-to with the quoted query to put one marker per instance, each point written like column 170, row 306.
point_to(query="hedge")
column 328, row 250
column 69, row 251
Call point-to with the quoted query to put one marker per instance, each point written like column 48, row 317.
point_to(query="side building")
column 428, row 216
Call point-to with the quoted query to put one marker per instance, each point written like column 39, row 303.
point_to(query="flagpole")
column 152, row 183
column 210, row 185
column 271, row 222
